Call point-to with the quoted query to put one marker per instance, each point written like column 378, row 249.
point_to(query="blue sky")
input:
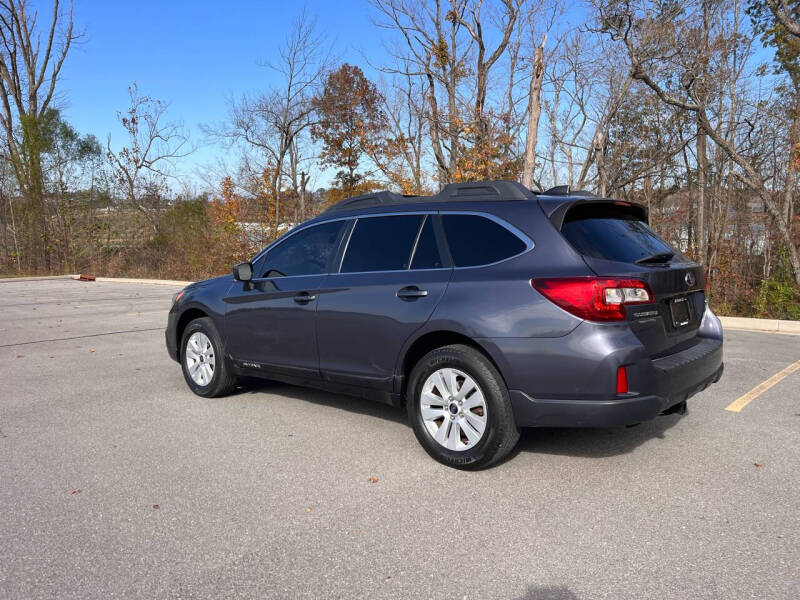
column 193, row 55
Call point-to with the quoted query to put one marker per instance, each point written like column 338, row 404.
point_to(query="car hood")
column 209, row 282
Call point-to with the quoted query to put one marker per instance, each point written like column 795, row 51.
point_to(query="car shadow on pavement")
column 564, row 441
column 594, row 443
column 354, row 404
column 547, row 592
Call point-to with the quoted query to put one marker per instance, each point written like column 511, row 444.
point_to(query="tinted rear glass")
column 475, row 240
column 426, row 256
column 381, row 244
column 612, row 233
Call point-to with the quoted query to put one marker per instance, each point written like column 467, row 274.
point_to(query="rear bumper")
column 571, row 381
column 532, row 412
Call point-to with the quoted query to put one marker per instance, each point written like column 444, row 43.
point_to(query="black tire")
column 501, row 433
column 223, row 381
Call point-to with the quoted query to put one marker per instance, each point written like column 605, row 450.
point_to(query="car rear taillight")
column 594, row 298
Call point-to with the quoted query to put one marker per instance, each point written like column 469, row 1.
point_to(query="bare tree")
column 457, row 47
column 143, row 167
column 472, row 20
column 534, row 113
column 267, row 124
column 655, row 41
column 435, row 48
column 29, row 72
column 783, row 13
column 400, row 152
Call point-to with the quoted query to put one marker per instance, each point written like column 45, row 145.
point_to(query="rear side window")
column 304, row 253
column 475, row 240
column 612, row 233
column 426, row 254
column 381, row 244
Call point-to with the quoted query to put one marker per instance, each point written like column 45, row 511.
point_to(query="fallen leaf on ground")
column 20, row 356
column 757, row 465
column 73, row 492
column 373, row 480
column 91, row 350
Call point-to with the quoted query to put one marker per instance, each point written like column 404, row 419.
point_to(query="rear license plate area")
column 679, row 310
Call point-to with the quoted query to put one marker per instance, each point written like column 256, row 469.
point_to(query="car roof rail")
column 484, row 190
column 452, row 192
column 365, row 200
column 564, row 190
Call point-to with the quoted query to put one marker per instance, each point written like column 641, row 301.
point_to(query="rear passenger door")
column 392, row 274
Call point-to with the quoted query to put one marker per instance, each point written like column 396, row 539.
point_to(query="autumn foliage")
column 350, row 123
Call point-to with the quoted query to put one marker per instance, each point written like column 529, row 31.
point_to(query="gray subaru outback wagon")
column 482, row 309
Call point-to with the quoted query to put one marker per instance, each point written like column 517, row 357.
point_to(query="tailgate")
column 615, row 241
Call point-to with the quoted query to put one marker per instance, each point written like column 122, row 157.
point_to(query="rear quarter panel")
column 497, row 302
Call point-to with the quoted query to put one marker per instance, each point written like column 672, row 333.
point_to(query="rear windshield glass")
column 613, row 233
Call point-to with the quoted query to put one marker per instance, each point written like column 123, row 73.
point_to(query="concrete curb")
column 131, row 280
column 769, row 325
column 39, row 278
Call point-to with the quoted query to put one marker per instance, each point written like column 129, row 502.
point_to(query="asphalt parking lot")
column 116, row 481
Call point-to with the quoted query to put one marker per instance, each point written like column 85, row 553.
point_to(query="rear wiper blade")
column 661, row 257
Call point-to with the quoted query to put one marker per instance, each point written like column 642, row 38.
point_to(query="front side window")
column 474, row 240
column 307, row 252
column 381, row 244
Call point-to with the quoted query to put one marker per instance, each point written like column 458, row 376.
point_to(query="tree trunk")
column 791, row 169
column 700, row 229
column 534, row 112
column 302, row 207
column 598, row 145
column 434, row 123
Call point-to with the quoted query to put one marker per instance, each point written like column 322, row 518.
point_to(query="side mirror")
column 243, row 271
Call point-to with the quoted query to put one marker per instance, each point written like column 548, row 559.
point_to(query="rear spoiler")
column 556, row 209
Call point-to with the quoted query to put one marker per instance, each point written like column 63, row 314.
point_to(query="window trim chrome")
column 416, row 243
column 529, row 243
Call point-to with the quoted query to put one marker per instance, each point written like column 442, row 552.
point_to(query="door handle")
column 411, row 292
column 304, row 298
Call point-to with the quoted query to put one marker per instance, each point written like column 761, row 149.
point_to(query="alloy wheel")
column 453, row 409
column 199, row 356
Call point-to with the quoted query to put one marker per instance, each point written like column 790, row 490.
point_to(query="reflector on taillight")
column 594, row 298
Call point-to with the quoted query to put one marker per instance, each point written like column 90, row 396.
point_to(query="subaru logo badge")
column 690, row 279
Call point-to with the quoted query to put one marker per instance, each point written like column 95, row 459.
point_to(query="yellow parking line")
column 740, row 403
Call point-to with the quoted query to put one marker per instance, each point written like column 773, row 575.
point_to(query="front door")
column 270, row 323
